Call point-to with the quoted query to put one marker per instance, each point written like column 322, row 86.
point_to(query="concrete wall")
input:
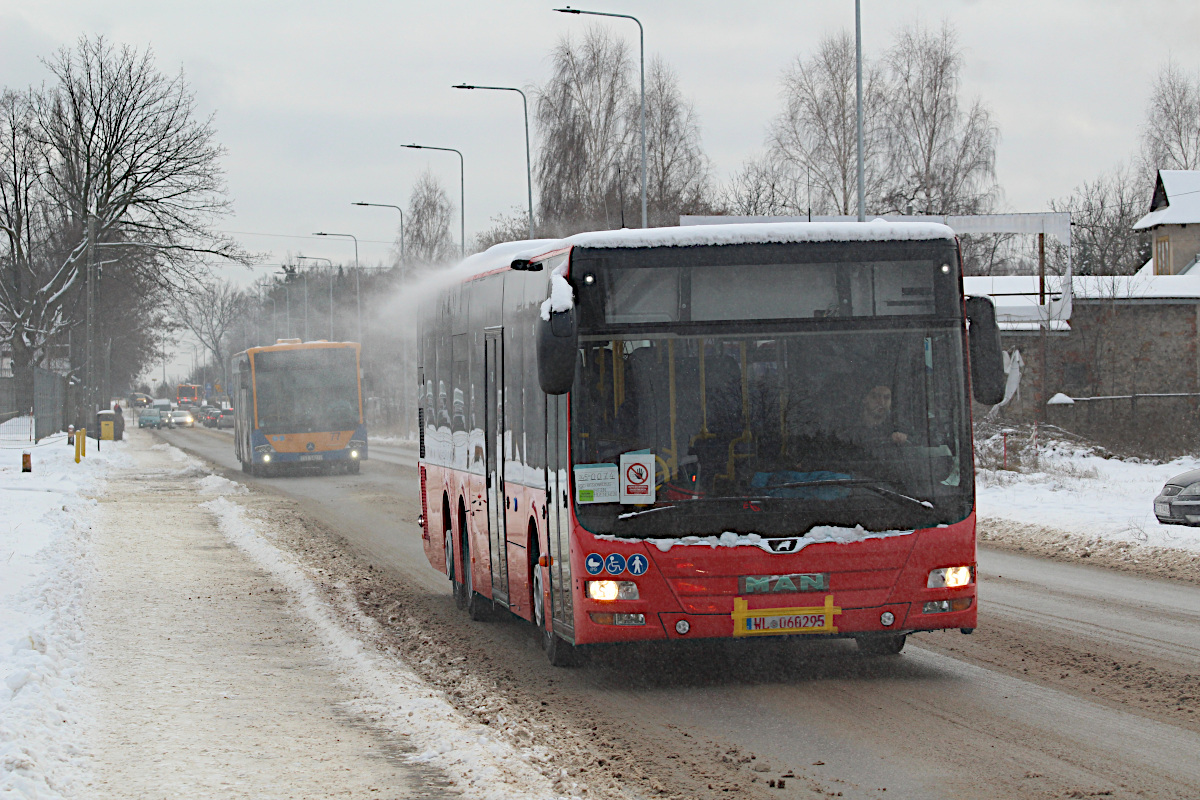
column 1115, row 348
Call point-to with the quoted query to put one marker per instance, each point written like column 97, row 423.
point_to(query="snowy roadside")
column 481, row 764
column 45, row 530
column 1077, row 504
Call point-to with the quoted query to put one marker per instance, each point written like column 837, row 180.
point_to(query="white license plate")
column 312, row 458
column 1162, row 509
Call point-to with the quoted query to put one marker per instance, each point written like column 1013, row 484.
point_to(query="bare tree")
column 816, row 133
column 582, row 119
column 1102, row 216
column 210, row 311
column 941, row 157
column 677, row 169
column 427, row 227
column 510, row 227
column 114, row 140
column 1171, row 133
column 763, row 187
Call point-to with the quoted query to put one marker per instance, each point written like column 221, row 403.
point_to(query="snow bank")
column 215, row 485
column 482, row 765
column 45, row 534
column 822, row 534
column 1078, row 492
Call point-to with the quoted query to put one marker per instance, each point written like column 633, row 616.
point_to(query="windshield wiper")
column 632, row 514
column 869, row 485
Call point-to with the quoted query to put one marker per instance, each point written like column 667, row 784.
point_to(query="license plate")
column 777, row 621
column 1162, row 509
column 790, row 623
column 312, row 458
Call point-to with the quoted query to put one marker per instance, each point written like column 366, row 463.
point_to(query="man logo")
column 782, row 584
column 784, row 545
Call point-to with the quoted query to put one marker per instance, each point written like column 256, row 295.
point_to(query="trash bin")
column 106, row 426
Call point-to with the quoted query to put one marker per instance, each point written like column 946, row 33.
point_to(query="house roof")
column 1176, row 199
column 1016, row 296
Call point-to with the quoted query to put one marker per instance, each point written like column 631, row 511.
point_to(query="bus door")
column 558, row 517
column 497, row 501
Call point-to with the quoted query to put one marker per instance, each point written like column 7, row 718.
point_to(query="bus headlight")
column 948, row 577
column 266, row 458
column 354, row 454
column 612, row 590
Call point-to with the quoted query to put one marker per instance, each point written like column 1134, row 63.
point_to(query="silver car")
column 183, row 419
column 1179, row 501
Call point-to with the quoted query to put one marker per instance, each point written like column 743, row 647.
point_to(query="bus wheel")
column 354, row 466
column 478, row 607
column 246, row 467
column 558, row 651
column 888, row 645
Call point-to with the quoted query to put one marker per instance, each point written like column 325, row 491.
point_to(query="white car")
column 183, row 419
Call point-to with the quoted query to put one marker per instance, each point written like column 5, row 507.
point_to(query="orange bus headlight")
column 612, row 590
column 945, row 606
column 949, row 577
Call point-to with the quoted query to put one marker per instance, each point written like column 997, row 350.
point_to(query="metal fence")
column 49, row 402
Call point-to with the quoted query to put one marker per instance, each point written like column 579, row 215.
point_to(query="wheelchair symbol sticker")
column 614, row 564
column 594, row 564
column 638, row 564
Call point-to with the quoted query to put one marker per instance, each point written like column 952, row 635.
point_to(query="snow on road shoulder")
column 45, row 533
column 482, row 765
column 1083, row 494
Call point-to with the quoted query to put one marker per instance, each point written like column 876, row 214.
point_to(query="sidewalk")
column 203, row 684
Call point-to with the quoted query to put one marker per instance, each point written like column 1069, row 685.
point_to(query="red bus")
column 189, row 394
column 711, row 431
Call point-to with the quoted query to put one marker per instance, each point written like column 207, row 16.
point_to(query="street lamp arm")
column 528, row 156
column 398, row 208
column 462, row 191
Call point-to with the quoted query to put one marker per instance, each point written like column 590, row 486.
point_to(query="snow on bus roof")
column 502, row 255
column 878, row 230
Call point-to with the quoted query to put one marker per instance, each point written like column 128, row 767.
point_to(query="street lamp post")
column 528, row 159
column 858, row 110
column 330, row 262
column 642, row 48
column 462, row 192
column 357, row 288
column 398, row 208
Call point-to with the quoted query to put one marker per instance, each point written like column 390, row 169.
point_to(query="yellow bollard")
column 78, row 444
column 83, row 442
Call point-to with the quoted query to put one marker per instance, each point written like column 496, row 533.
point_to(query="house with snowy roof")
column 1174, row 221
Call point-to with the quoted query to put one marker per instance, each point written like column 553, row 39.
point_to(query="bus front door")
column 497, row 501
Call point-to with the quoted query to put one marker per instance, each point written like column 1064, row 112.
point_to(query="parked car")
column 1179, row 501
column 209, row 416
column 183, row 419
column 226, row 418
column 149, row 418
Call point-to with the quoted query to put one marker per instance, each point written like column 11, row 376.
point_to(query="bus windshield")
column 306, row 391
column 854, row 414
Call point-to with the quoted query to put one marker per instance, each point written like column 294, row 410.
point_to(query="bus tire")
column 886, row 645
column 558, row 651
column 354, row 466
column 246, row 467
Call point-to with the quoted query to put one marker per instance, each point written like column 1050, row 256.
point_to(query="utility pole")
column 89, row 390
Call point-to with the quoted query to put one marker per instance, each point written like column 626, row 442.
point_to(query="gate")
column 49, row 402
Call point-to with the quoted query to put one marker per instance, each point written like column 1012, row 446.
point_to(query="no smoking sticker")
column 637, row 478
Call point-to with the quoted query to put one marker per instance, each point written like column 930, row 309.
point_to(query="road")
column 1079, row 682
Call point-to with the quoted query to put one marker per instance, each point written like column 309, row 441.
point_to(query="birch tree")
column 1171, row 132
column 941, row 156
column 816, row 132
column 427, row 224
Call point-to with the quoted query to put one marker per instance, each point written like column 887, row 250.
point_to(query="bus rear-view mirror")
column 987, row 360
column 557, row 345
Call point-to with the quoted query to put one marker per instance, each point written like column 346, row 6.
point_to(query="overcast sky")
column 313, row 100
